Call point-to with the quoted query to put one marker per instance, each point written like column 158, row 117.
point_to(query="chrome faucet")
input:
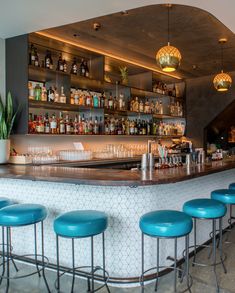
column 149, row 145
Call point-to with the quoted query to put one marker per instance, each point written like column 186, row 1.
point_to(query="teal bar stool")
column 226, row 196
column 4, row 202
column 168, row 224
column 76, row 225
column 207, row 209
column 19, row 215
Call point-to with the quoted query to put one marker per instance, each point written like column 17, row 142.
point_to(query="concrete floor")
column 203, row 279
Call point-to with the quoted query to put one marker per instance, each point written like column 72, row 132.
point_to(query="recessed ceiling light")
column 76, row 35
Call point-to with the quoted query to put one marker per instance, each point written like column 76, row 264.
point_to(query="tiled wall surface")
column 123, row 205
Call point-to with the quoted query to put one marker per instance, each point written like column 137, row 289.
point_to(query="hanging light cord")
column 222, row 57
column 168, row 24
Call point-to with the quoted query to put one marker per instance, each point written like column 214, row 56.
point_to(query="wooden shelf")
column 106, row 135
column 77, row 108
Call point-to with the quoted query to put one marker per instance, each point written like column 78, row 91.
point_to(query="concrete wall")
column 2, row 68
column 203, row 104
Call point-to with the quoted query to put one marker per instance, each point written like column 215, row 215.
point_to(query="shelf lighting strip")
column 106, row 54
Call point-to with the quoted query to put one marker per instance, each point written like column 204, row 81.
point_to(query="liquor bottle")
column 56, row 94
column 132, row 127
column 88, row 100
column 174, row 91
column 115, row 103
column 31, row 91
column 76, row 97
column 36, row 61
column 139, row 127
column 141, row 106
column 121, row 102
column 96, row 126
column 135, row 105
column 65, row 66
column 76, row 125
column 32, row 55
column 62, row 96
column 60, row 66
column 106, row 102
column 38, row 92
column 67, row 124
column 82, row 68
column 30, row 124
column 51, row 95
column 46, row 124
column 102, row 100
column 110, row 102
column 106, row 126
column 152, row 107
column 86, row 69
column 127, row 127
column 61, row 124
column 48, row 60
column 74, row 67
column 72, row 97
column 71, row 126
column 96, row 102
column 53, row 124
column 101, row 126
column 147, row 106
column 44, row 94
column 90, row 126
column 160, row 108
column 119, row 127
column 80, row 125
column 112, row 126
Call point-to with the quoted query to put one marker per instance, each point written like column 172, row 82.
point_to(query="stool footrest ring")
column 80, row 273
column 205, row 264
column 189, row 285
column 46, row 263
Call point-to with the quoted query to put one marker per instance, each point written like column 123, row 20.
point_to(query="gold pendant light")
column 168, row 57
column 222, row 81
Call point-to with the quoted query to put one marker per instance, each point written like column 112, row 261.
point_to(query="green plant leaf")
column 9, row 108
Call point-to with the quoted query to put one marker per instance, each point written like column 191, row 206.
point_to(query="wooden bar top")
column 110, row 177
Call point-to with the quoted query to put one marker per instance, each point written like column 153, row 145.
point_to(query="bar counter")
column 124, row 196
column 112, row 177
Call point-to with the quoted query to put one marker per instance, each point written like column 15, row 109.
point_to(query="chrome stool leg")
column 8, row 261
column 73, row 264
column 214, row 253
column 195, row 239
column 104, row 264
column 12, row 259
column 142, row 265
column 156, row 284
column 221, row 245
column 58, row 264
column 36, row 249
column 175, row 263
column 43, row 260
column 3, row 254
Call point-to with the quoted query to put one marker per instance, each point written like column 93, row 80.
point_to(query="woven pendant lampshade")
column 168, row 57
column 222, row 81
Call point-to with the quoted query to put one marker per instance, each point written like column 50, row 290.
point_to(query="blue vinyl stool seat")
column 4, row 202
column 82, row 224
column 207, row 209
column 232, row 186
column 22, row 215
column 19, row 215
column 77, row 224
column 204, row 208
column 167, row 224
column 226, row 196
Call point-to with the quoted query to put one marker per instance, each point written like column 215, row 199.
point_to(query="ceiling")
column 139, row 34
column 25, row 16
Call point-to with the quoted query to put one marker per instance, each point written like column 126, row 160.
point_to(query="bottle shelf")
column 77, row 108
column 40, row 74
column 107, row 135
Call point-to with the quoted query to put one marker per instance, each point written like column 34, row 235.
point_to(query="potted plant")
column 7, row 118
column 124, row 74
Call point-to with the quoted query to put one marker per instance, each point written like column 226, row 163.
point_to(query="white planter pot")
column 4, row 150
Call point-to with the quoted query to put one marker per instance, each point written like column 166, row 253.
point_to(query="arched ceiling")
column 139, row 34
column 24, row 16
